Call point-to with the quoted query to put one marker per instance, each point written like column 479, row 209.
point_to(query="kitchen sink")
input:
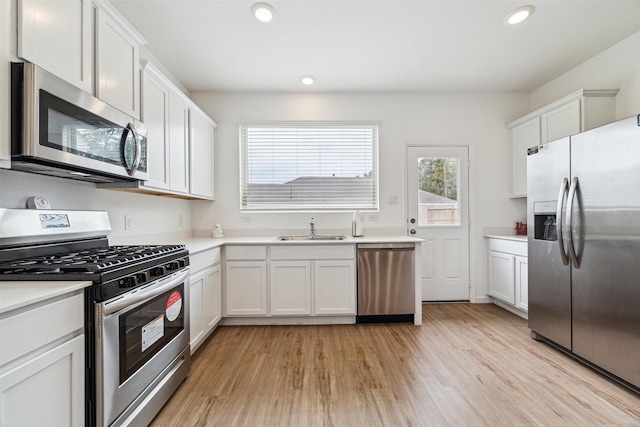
column 311, row 238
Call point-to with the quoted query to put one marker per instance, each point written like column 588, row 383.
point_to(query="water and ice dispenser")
column 544, row 227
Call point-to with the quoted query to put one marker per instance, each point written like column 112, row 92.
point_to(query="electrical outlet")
column 180, row 220
column 128, row 222
column 245, row 219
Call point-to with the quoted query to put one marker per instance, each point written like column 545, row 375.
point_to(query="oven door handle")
column 145, row 293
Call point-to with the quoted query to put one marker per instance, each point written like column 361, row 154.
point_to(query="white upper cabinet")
column 165, row 112
column 57, row 35
column 6, row 38
column 523, row 136
column 86, row 43
column 201, row 129
column 117, row 61
column 578, row 112
column 154, row 115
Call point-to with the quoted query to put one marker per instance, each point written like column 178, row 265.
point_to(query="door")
column 605, row 233
column 438, row 211
column 549, row 275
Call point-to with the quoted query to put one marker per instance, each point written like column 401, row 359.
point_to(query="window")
column 309, row 167
column 438, row 187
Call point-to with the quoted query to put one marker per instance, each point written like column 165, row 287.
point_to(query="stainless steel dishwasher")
column 386, row 282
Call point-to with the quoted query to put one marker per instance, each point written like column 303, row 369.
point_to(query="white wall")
column 476, row 120
column 151, row 214
column 616, row 68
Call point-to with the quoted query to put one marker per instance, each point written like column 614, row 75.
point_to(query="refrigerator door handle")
column 563, row 192
column 569, row 222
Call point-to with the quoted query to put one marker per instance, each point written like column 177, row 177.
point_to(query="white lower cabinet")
column 508, row 270
column 246, row 288
column 502, row 274
column 205, row 296
column 42, row 373
column 290, row 291
column 290, row 280
column 522, row 282
column 335, row 287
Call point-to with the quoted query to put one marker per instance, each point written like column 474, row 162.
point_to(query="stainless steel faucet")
column 313, row 227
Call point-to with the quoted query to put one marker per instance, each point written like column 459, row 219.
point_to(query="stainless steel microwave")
column 60, row 130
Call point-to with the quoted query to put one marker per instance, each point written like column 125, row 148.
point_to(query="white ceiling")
column 377, row 45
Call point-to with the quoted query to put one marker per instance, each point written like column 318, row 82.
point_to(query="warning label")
column 174, row 306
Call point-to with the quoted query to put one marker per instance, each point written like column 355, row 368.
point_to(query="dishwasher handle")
column 386, row 246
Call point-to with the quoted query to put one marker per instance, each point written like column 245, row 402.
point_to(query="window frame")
column 277, row 208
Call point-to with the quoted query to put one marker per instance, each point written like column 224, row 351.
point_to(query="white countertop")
column 196, row 245
column 18, row 294
column 507, row 237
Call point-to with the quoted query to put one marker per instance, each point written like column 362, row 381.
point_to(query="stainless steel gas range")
column 136, row 311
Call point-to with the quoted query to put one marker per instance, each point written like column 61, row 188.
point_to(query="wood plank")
column 467, row 365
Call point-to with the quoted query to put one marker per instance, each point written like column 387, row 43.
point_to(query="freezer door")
column 549, row 277
column 606, row 231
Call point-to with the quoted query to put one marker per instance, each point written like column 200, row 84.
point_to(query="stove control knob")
column 172, row 266
column 142, row 277
column 157, row 271
column 127, row 282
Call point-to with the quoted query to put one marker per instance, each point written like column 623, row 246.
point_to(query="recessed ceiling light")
column 263, row 12
column 308, row 80
column 518, row 15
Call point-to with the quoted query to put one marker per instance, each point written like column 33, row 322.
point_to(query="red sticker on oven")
column 174, row 305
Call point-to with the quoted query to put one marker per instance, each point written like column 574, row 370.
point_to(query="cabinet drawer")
column 246, row 252
column 204, row 259
column 45, row 324
column 313, row 252
column 508, row 246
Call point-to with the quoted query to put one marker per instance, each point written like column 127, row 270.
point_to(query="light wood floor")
column 467, row 365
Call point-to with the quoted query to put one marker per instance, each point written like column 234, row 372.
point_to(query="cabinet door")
column 246, row 288
column 523, row 136
column 290, row 288
column 117, row 67
column 562, row 121
column 201, row 155
column 335, row 287
column 56, row 35
column 154, row 114
column 196, row 315
column 522, row 281
column 212, row 298
column 6, row 53
column 47, row 390
column 179, row 144
column 501, row 276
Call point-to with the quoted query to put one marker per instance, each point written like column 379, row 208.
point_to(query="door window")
column 438, row 190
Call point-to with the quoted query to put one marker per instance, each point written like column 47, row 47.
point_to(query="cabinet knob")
column 412, row 231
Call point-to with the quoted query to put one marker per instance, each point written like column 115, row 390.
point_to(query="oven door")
column 138, row 334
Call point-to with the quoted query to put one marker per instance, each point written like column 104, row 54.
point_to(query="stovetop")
column 88, row 261
column 113, row 270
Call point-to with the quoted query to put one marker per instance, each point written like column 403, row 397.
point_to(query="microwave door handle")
column 569, row 221
column 131, row 170
column 561, row 194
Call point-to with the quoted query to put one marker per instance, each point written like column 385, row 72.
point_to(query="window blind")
column 309, row 166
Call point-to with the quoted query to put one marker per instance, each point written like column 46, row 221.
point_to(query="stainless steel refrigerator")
column 583, row 201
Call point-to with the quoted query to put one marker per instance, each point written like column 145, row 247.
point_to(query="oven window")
column 72, row 129
column 145, row 330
